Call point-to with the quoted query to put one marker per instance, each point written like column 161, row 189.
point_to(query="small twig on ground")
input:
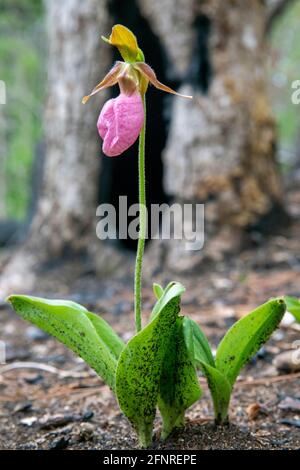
column 45, row 368
column 268, row 380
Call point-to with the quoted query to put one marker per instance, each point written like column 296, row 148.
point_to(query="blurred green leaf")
column 157, row 290
column 293, row 306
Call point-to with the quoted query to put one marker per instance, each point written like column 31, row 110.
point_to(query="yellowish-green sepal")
column 126, row 42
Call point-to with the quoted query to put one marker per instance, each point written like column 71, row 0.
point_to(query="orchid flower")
column 121, row 119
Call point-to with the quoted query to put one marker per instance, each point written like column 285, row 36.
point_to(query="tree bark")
column 77, row 60
column 221, row 145
column 65, row 216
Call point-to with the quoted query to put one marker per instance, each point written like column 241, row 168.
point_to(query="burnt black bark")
column 119, row 176
column 200, row 71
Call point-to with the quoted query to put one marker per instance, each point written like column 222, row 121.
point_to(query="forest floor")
column 61, row 404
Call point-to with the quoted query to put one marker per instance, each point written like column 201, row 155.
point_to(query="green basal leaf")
column 197, row 343
column 293, row 306
column 107, row 334
column 246, row 336
column 242, row 341
column 200, row 352
column 83, row 332
column 157, row 290
column 220, row 390
column 179, row 385
column 140, row 364
column 173, row 289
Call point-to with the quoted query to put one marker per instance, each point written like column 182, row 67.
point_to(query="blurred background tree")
column 206, row 46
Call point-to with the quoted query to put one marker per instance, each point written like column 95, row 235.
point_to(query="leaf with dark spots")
column 140, row 365
column 197, row 343
column 179, row 385
column 107, row 334
column 201, row 355
column 220, row 390
column 246, row 336
column 241, row 342
column 83, row 332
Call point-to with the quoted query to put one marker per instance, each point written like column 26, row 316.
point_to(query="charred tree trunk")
column 66, row 209
column 221, row 146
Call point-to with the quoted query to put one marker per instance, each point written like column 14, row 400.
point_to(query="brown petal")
column 109, row 80
column 149, row 73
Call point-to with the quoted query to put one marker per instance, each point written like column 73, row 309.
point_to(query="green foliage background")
column 22, row 51
column 284, row 68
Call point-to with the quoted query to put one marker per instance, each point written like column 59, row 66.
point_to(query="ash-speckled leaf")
column 179, row 384
column 293, row 306
column 107, row 334
column 199, row 349
column 83, row 332
column 197, row 343
column 172, row 290
column 220, row 390
column 246, row 336
column 140, row 364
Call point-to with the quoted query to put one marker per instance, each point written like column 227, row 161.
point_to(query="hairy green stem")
column 142, row 228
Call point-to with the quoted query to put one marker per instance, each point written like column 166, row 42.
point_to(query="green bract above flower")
column 133, row 73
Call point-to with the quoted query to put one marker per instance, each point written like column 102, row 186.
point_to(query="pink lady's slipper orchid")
column 120, row 123
column 121, row 119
